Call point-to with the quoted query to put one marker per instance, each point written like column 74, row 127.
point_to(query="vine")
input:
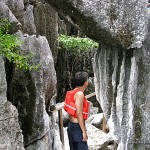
column 9, row 48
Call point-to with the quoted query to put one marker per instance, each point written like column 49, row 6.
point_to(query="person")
column 78, row 107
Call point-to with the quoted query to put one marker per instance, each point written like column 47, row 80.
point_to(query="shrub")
column 9, row 48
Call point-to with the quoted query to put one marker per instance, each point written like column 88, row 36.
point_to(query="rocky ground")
column 97, row 139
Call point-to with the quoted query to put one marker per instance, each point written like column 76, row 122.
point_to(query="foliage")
column 9, row 45
column 77, row 44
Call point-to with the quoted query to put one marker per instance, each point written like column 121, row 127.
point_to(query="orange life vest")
column 70, row 107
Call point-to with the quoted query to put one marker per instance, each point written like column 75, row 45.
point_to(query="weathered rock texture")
column 10, row 132
column 30, row 92
column 121, row 68
column 107, row 21
column 46, row 22
column 121, row 64
column 35, row 92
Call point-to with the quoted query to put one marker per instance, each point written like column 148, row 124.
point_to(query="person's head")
column 81, row 78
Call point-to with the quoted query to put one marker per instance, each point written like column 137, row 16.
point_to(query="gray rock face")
column 121, row 68
column 10, row 132
column 123, row 94
column 46, row 21
column 96, row 119
column 97, row 139
column 112, row 21
column 31, row 92
column 121, row 64
column 3, row 84
column 122, row 82
column 36, row 90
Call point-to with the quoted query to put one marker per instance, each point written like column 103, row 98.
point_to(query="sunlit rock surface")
column 96, row 119
column 122, row 82
column 97, row 139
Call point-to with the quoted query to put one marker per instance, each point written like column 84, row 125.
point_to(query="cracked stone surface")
column 10, row 132
column 121, row 68
column 118, row 21
column 121, row 64
column 30, row 92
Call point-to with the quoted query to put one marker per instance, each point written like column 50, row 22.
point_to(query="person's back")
column 77, row 106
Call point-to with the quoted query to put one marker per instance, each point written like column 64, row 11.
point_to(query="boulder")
column 96, row 119
column 97, row 139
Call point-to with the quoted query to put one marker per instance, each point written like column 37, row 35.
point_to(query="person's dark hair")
column 80, row 78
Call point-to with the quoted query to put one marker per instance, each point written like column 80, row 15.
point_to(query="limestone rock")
column 7, row 13
column 96, row 119
column 66, row 139
column 10, row 132
column 98, row 140
column 57, row 142
column 93, row 110
column 3, row 84
column 46, row 22
column 121, row 65
column 28, row 21
column 31, row 92
column 107, row 21
column 35, row 92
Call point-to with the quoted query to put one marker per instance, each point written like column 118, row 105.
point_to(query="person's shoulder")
column 80, row 94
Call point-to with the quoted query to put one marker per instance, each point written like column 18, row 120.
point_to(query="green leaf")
column 9, row 48
column 76, row 44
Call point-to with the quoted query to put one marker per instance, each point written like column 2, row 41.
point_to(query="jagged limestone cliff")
column 10, row 132
column 121, row 64
column 121, row 67
column 30, row 92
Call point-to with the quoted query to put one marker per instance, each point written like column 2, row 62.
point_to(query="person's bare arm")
column 79, row 99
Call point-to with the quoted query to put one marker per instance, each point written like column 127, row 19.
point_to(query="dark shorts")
column 75, row 137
